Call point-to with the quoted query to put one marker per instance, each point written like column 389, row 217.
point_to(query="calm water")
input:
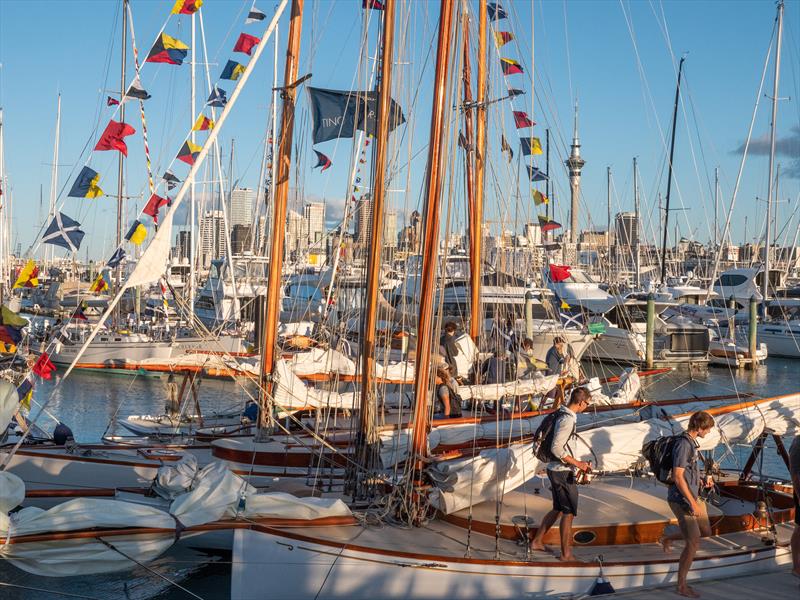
column 89, row 403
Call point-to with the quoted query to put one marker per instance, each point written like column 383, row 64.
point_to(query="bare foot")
column 689, row 592
column 538, row 547
column 666, row 544
column 569, row 558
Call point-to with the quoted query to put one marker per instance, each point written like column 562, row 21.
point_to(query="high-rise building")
column 314, row 217
column 242, row 206
column 241, row 237
column 184, row 245
column 627, row 229
column 212, row 237
column 295, row 238
column 390, row 229
column 363, row 219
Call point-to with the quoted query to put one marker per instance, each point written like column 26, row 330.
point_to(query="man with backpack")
column 683, row 497
column 794, row 471
column 561, row 427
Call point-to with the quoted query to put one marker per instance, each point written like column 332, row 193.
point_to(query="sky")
column 616, row 60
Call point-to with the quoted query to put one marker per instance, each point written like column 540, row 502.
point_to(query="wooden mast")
column 433, row 192
column 366, row 440
column 284, row 159
column 476, row 214
column 120, row 161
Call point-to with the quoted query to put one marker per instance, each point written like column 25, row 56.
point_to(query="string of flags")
column 530, row 145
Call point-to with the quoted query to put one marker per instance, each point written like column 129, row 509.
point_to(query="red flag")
column 559, row 273
column 521, row 119
column 43, row 367
column 373, row 4
column 246, row 43
column 112, row 137
column 111, row 101
column 152, row 206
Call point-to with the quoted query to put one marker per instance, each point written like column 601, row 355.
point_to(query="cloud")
column 787, row 147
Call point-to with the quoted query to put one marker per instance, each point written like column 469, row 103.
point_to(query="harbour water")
column 90, row 402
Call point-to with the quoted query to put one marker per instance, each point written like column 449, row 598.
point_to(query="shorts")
column 565, row 491
column 691, row 526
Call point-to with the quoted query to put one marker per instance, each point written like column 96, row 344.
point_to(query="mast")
column 430, row 247
column 716, row 204
column 366, row 440
column 476, row 204
column 636, row 209
column 50, row 252
column 474, row 225
column 193, row 238
column 669, row 176
column 770, row 187
column 284, row 159
column 120, row 163
column 608, row 217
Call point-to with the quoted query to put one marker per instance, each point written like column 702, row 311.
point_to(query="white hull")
column 781, row 339
column 111, row 352
column 301, row 569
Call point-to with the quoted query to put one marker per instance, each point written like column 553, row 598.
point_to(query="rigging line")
column 566, row 46
column 56, row 592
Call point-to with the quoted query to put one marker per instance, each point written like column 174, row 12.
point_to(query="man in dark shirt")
column 556, row 357
column 448, row 347
column 794, row 471
column 683, row 497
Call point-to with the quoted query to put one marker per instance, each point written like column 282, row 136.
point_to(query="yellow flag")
column 9, row 317
column 100, row 284
column 138, row 235
column 564, row 305
column 536, row 145
column 539, row 198
column 28, row 276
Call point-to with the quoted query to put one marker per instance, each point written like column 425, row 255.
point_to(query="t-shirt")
column 794, row 456
column 564, row 430
column 684, row 454
column 555, row 362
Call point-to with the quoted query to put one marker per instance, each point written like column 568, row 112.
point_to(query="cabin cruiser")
column 780, row 331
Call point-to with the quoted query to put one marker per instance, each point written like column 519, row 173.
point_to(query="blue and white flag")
column 116, row 258
column 65, row 232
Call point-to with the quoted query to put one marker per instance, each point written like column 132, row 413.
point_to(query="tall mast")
column 636, row 210
column 669, row 176
column 120, row 163
column 49, row 252
column 430, row 247
column 474, row 225
column 716, row 205
column 608, row 217
column 770, row 187
column 366, row 441
column 476, row 203
column 284, row 159
column 193, row 237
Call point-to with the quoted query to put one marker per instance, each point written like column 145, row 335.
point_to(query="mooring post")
column 651, row 326
column 529, row 296
column 753, row 332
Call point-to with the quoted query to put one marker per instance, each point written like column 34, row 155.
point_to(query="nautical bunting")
column 501, row 38
column 186, row 7
column 167, row 50
column 136, row 91
column 521, row 119
column 64, row 232
column 112, row 138
column 43, row 367
column 536, row 174
column 246, row 43
column 547, row 224
column 513, row 92
column 171, row 180
column 372, row 4
column 24, row 393
column 539, row 198
column 111, row 101
column 79, row 314
column 505, row 147
column 28, row 276
column 531, row 145
column 232, row 71
column 99, row 285
column 137, row 233
column 510, row 66
column 188, row 152
column 254, row 16
column 218, row 98
column 203, row 123
column 462, row 141
column 153, row 205
column 12, row 319
column 116, row 258
column 322, row 161
column 85, row 185
column 495, row 12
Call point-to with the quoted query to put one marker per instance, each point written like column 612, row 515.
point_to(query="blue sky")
column 618, row 59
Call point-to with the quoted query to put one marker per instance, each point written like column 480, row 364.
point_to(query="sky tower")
column 574, row 164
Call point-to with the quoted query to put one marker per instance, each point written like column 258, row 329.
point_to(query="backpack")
column 543, row 437
column 658, row 453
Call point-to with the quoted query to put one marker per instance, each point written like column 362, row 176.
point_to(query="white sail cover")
column 9, row 403
column 153, row 263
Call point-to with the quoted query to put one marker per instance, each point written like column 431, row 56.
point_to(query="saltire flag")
column 495, row 12
column 28, row 277
column 10, row 335
column 521, row 119
column 188, row 152
column 322, row 161
column 203, row 123
column 232, row 71
column 501, row 38
column 372, row 4
column 99, row 285
column 531, row 145
column 547, row 224
column 111, row 101
column 254, row 15
column 536, row 174
column 65, row 232
column 171, row 180
column 539, row 198
column 167, row 50
column 186, row 7
column 505, row 147
column 85, row 185
column 136, row 91
column 116, row 258
column 514, row 92
column 510, row 66
column 218, row 97
column 246, row 43
column 112, row 138
column 79, row 314
column 559, row 273
column 25, row 392
column 43, row 367
column 153, row 205
column 338, row 114
column 137, row 233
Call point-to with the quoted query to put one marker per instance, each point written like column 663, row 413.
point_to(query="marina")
column 376, row 298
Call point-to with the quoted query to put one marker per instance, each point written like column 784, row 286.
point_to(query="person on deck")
column 556, row 358
column 794, row 471
column 684, row 500
column 448, row 347
column 561, row 474
column 448, row 402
